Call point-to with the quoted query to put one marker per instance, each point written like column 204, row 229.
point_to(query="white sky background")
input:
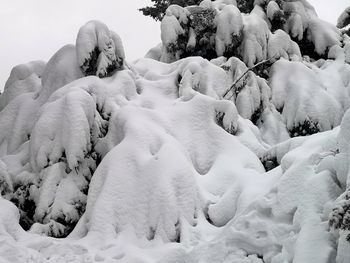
column 36, row 29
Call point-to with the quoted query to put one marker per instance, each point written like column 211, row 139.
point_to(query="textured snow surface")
column 186, row 161
column 171, row 174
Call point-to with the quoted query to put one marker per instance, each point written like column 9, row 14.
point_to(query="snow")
column 229, row 25
column 182, row 160
column 341, row 53
column 323, row 35
column 23, row 78
column 251, row 92
column 95, row 37
column 344, row 18
column 180, row 13
column 281, row 46
column 61, row 69
column 70, row 119
column 255, row 37
column 294, row 26
column 272, row 9
column 170, row 30
column 313, row 90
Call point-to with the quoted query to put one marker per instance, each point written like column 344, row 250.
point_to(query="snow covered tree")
column 272, row 30
column 340, row 216
column 99, row 51
column 344, row 21
column 344, row 18
column 157, row 11
column 197, row 153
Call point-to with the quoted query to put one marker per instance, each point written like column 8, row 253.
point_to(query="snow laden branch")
column 234, row 87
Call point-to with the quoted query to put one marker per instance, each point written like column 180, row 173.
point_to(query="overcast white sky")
column 36, row 29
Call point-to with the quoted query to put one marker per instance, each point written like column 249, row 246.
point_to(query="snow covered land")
column 229, row 142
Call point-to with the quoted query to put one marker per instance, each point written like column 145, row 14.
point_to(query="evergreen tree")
column 159, row 7
column 344, row 18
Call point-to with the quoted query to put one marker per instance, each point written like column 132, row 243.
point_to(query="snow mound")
column 23, row 78
column 61, row 69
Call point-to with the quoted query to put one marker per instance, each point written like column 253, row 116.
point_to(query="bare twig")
column 245, row 73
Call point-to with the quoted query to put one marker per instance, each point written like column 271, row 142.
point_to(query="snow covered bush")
column 275, row 15
column 50, row 133
column 320, row 107
column 245, row 6
column 186, row 161
column 229, row 30
column 188, row 31
column 344, row 18
column 99, row 50
column 253, row 48
column 340, row 216
column 251, row 94
column 157, row 11
column 242, row 29
column 281, row 46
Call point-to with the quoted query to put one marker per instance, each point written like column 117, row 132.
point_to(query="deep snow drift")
column 183, row 158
